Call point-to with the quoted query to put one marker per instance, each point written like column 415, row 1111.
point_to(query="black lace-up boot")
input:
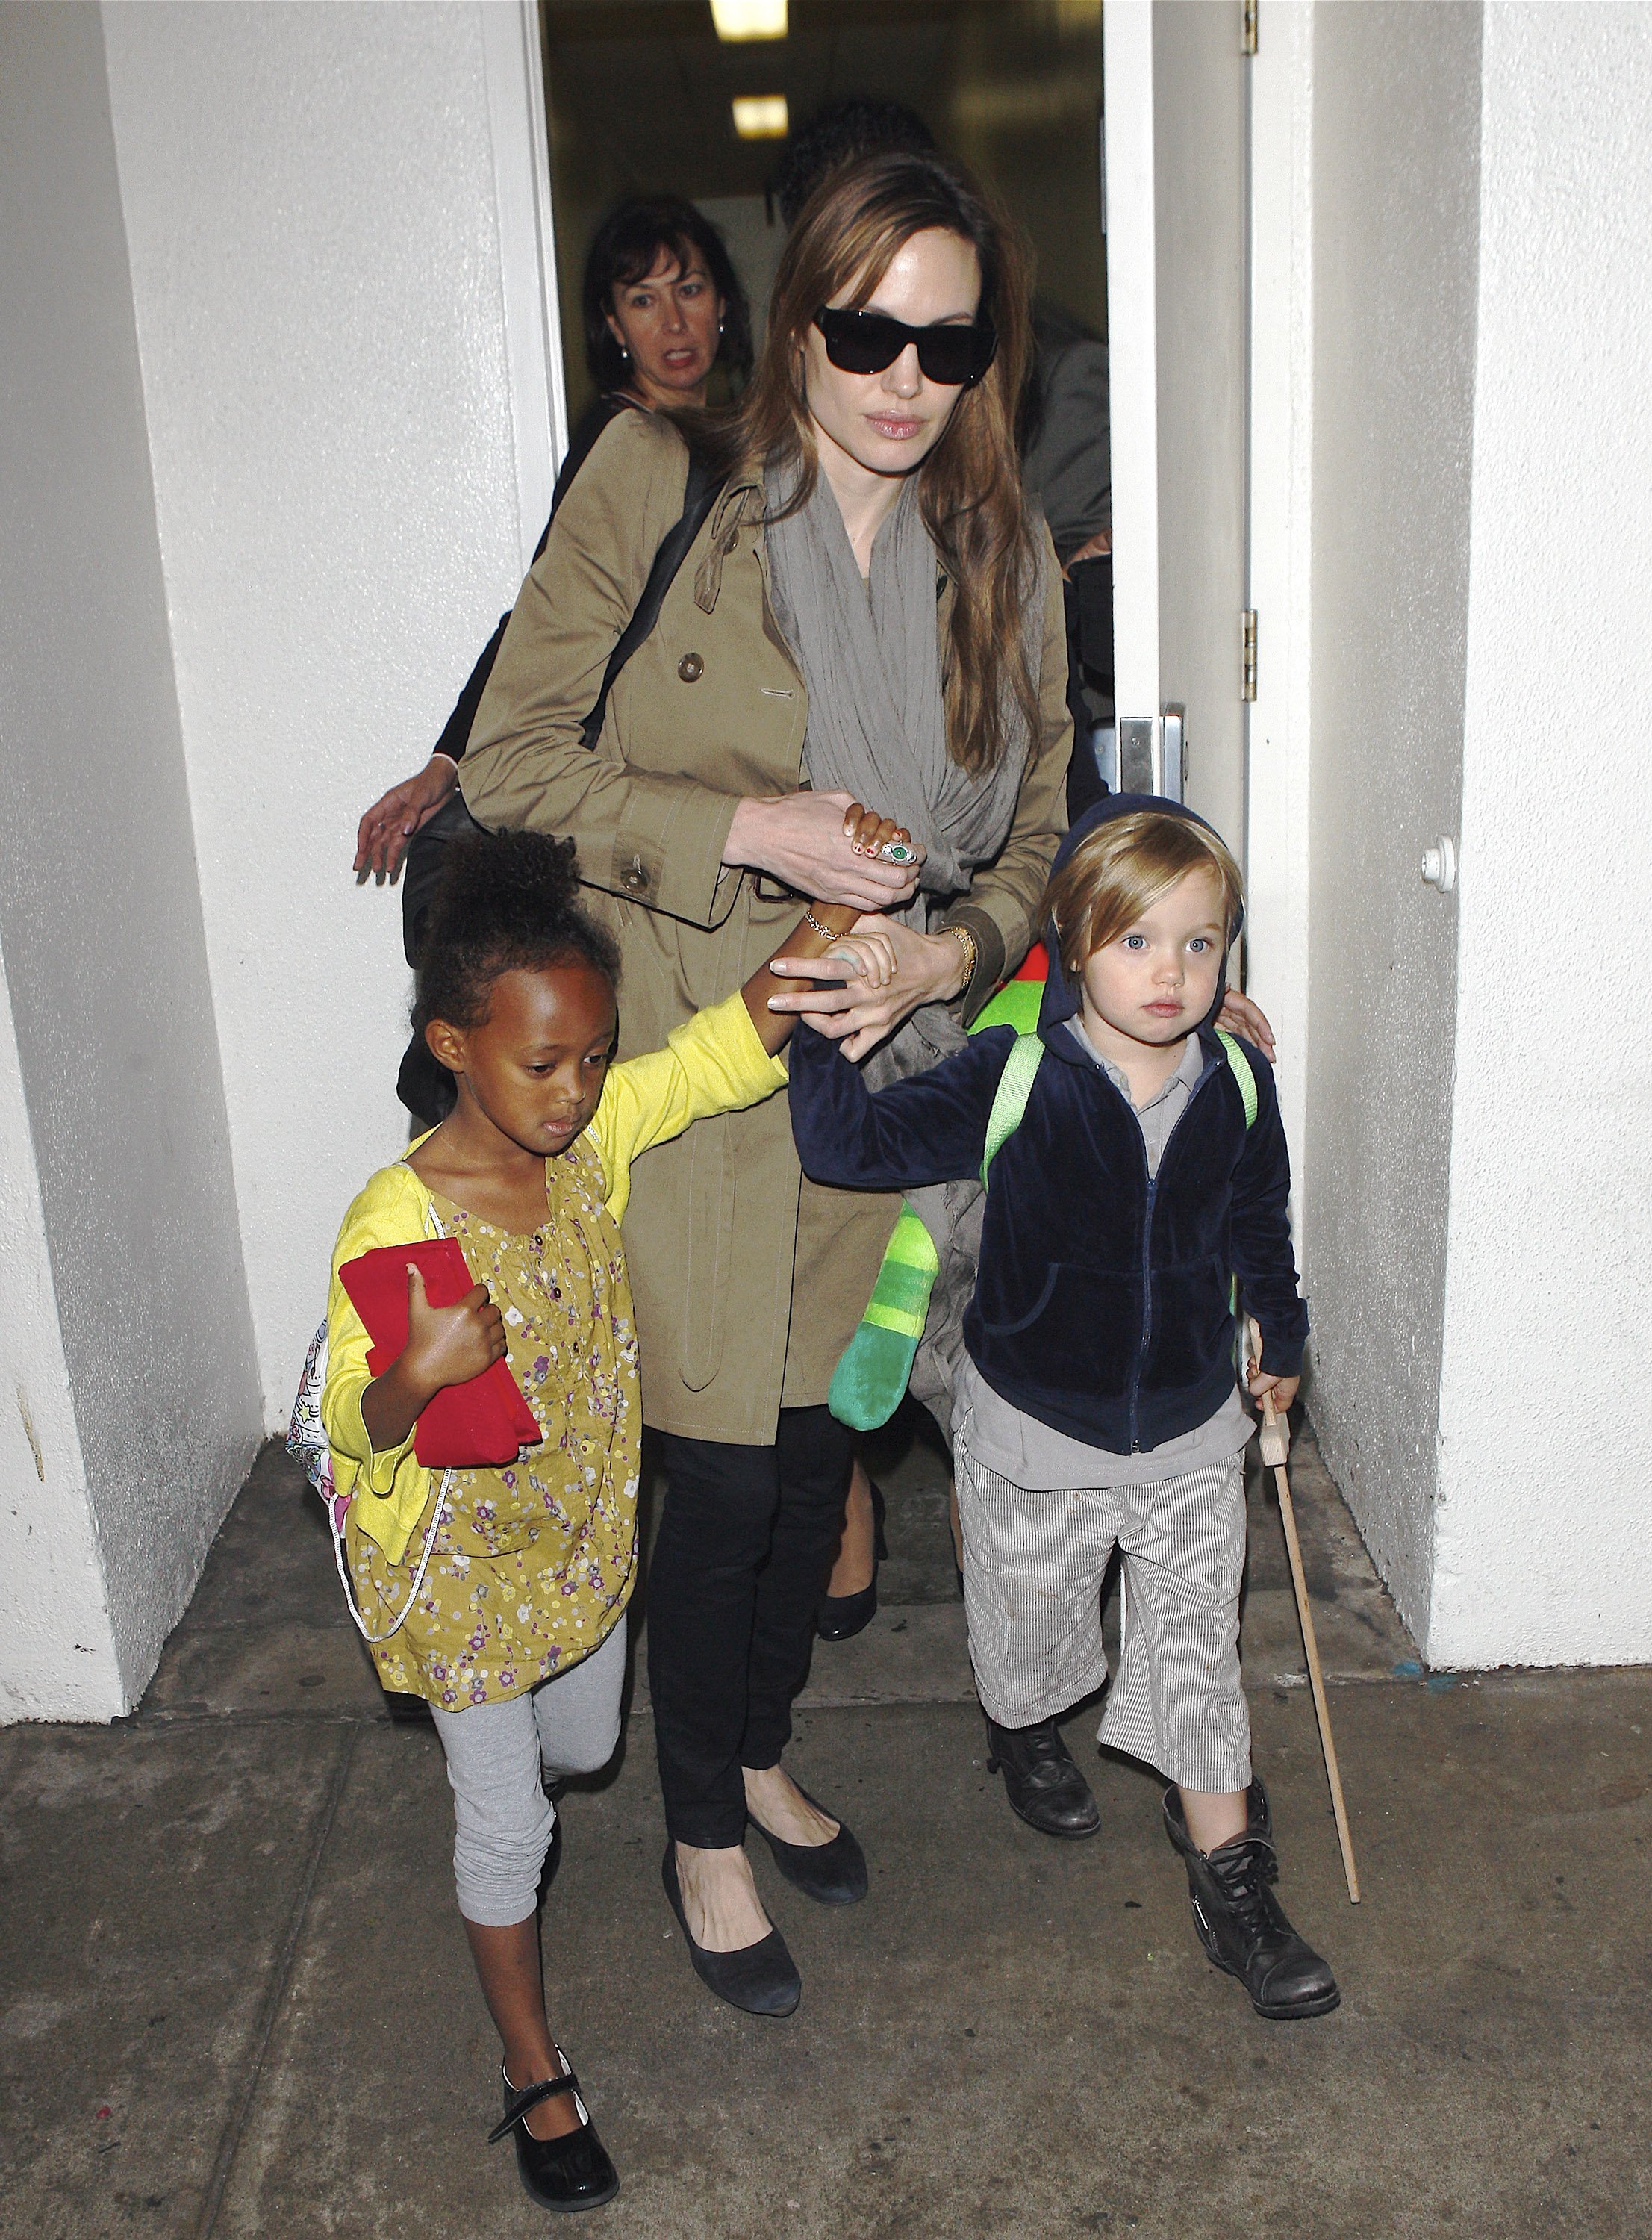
column 1041, row 1780
column 1241, row 1924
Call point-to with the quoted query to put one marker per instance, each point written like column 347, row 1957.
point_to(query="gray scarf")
column 871, row 662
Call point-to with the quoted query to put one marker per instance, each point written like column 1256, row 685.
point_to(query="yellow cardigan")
column 714, row 1063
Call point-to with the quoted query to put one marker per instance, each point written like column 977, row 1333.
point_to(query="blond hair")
column 1118, row 872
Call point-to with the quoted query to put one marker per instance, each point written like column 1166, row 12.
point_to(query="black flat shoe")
column 572, row 2172
column 833, row 1873
column 1040, row 1781
column 839, row 1617
column 759, row 1979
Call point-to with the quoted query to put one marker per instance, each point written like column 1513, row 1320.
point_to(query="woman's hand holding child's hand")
column 892, row 968
column 445, row 1346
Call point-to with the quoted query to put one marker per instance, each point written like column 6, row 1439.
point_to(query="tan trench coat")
column 748, row 1280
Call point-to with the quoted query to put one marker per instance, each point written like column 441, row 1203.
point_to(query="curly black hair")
column 507, row 902
column 840, row 132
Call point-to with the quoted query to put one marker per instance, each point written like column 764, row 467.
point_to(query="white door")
column 1176, row 213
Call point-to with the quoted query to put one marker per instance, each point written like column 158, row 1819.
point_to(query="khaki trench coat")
column 748, row 1280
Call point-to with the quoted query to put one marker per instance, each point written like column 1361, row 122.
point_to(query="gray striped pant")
column 1033, row 1567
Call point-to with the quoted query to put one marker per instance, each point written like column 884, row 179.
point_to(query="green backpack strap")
column 1243, row 1076
column 1239, row 1064
column 1015, row 1087
column 1010, row 1099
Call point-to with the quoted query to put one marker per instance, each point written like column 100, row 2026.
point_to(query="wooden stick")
column 1274, row 1451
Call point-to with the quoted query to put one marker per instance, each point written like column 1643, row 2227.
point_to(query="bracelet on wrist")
column 824, row 932
column 972, row 948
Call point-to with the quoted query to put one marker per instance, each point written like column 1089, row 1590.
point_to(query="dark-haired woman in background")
column 662, row 307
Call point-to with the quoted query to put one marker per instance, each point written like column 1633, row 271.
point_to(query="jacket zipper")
column 1147, row 1255
column 1147, row 1298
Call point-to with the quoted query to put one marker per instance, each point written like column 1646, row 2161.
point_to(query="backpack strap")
column 1010, row 1099
column 1243, row 1076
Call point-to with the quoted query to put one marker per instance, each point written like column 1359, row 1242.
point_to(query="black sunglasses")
column 865, row 342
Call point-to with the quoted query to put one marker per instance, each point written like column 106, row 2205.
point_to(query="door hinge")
column 1247, row 654
column 1247, row 10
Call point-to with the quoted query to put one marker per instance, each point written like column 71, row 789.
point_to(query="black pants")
column 745, row 1545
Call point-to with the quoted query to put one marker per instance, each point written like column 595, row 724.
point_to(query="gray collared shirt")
column 1162, row 1111
column 1017, row 1446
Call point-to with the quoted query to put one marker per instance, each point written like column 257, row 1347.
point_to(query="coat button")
column 691, row 669
column 634, row 876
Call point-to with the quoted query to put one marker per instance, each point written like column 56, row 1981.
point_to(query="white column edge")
column 514, row 65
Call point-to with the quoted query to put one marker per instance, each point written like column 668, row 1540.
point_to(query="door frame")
column 1281, row 543
column 514, row 65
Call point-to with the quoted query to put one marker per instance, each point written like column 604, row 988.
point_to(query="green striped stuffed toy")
column 871, row 1377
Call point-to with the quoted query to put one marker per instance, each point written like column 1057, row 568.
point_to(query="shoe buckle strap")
column 528, row 2098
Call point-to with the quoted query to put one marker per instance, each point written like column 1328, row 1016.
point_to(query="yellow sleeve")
column 713, row 1062
column 391, row 1488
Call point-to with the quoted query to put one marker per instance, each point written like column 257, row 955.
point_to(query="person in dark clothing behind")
column 1067, row 464
column 663, row 307
column 838, row 132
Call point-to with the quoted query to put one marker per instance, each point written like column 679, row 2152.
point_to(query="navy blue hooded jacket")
column 1101, row 1301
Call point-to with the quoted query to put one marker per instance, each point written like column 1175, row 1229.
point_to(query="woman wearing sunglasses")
column 869, row 613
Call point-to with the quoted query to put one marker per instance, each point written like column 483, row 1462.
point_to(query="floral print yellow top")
column 529, row 1565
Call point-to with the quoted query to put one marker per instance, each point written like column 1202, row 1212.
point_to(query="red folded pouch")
column 477, row 1425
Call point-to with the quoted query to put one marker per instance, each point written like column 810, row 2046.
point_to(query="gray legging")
column 495, row 1753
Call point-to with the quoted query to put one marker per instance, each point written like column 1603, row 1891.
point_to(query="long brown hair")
column 968, row 487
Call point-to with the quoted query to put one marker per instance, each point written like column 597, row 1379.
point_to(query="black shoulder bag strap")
column 424, row 1087
column 699, row 495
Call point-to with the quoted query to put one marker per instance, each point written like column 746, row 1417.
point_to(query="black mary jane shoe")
column 1042, row 1782
column 572, row 2172
column 840, row 1617
column 759, row 1979
column 832, row 1873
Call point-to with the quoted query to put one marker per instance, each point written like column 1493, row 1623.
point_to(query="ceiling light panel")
column 749, row 19
column 761, row 117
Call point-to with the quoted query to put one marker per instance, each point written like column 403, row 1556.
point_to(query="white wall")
column 126, row 1329
column 57, row 1654
column 311, row 204
column 1395, row 182
column 1544, row 1553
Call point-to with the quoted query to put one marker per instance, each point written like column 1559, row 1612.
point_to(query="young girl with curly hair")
column 499, row 1595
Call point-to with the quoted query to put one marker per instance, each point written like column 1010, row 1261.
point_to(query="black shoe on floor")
column 572, row 2172
column 832, row 1873
column 1040, row 1781
column 759, row 1979
column 1241, row 1924
column 839, row 1617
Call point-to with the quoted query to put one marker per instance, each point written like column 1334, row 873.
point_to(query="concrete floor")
column 237, row 1999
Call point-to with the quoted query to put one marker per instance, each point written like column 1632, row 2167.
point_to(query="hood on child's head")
column 1061, row 997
